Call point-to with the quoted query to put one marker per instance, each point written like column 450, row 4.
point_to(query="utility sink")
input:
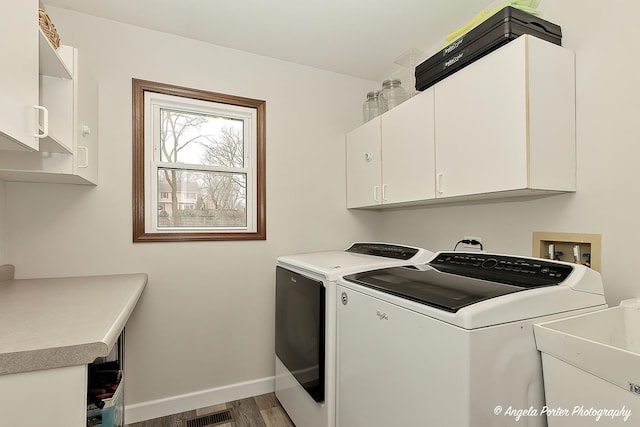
column 592, row 361
column 605, row 343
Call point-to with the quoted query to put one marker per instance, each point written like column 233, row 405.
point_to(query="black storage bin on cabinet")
column 504, row 26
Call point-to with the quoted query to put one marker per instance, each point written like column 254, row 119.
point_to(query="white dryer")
column 451, row 343
column 305, row 344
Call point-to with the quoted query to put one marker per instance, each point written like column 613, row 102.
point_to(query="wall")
column 205, row 320
column 4, row 239
column 608, row 150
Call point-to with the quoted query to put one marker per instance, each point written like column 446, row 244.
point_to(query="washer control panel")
column 518, row 271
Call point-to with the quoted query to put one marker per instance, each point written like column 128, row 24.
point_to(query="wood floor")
column 258, row 411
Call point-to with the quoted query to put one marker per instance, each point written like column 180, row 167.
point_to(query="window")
column 198, row 165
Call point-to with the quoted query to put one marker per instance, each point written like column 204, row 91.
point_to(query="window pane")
column 201, row 139
column 201, row 199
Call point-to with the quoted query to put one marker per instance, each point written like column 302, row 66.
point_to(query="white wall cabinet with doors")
column 27, row 54
column 69, row 156
column 390, row 158
column 506, row 123
column 504, row 126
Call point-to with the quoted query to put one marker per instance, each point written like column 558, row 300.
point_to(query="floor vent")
column 214, row 419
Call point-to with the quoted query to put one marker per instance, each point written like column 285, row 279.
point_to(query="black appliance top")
column 454, row 280
column 384, row 250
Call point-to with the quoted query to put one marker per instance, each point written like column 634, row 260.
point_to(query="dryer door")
column 300, row 330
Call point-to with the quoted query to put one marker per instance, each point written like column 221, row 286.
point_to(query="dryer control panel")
column 518, row 271
column 386, row 250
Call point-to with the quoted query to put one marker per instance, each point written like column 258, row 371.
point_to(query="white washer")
column 451, row 343
column 306, row 323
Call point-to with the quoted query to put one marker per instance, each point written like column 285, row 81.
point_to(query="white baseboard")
column 199, row 399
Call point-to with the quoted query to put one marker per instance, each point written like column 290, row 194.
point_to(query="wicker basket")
column 48, row 28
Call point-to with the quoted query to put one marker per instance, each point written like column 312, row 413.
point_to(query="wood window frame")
column 139, row 87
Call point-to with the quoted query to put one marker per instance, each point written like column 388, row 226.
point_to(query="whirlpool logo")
column 381, row 315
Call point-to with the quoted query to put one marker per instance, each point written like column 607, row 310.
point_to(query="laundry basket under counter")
column 591, row 367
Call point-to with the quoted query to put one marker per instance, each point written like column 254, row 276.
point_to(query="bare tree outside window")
column 204, row 167
column 198, row 139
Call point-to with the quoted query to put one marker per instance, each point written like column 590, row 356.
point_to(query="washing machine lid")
column 358, row 257
column 526, row 289
column 451, row 281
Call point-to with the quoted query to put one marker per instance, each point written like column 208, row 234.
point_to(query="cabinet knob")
column 368, row 157
column 86, row 130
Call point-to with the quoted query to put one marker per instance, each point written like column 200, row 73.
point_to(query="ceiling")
column 360, row 38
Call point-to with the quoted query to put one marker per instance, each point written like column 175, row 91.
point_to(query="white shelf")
column 42, row 177
column 51, row 144
column 50, row 62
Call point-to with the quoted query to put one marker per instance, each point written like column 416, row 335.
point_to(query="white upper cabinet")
column 28, row 57
column 364, row 165
column 19, row 76
column 390, row 158
column 69, row 154
column 407, row 150
column 507, row 122
column 48, row 108
column 502, row 126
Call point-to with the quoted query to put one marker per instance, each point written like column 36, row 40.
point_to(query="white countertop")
column 51, row 323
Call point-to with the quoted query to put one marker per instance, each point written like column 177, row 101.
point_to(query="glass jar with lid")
column 392, row 94
column 371, row 107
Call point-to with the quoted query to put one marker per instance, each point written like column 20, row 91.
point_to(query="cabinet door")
column 64, row 406
column 85, row 157
column 408, row 150
column 19, row 75
column 481, row 125
column 364, row 165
